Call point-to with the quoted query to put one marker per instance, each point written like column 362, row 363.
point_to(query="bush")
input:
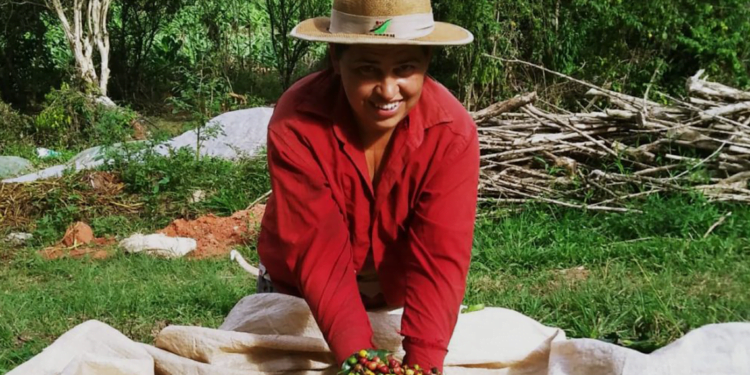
column 166, row 184
column 71, row 119
column 14, row 130
column 623, row 44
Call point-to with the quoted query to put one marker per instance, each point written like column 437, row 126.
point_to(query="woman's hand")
column 380, row 362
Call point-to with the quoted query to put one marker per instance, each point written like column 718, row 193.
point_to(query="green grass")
column 138, row 295
column 646, row 280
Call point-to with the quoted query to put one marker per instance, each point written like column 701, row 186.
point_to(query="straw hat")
column 382, row 22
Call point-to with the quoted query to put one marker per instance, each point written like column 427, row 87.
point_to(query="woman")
column 374, row 169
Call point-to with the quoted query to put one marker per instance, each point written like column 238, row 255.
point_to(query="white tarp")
column 11, row 166
column 238, row 133
column 275, row 334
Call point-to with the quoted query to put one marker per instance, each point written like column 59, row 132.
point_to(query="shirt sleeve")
column 440, row 241
column 308, row 228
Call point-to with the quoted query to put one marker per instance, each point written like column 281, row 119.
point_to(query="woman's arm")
column 305, row 224
column 440, row 240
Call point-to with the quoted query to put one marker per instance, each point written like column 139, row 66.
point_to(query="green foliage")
column 224, row 40
column 202, row 94
column 160, row 49
column 621, row 44
column 67, row 112
column 138, row 51
column 157, row 190
column 14, row 130
column 167, row 183
column 71, row 119
column 29, row 51
column 283, row 16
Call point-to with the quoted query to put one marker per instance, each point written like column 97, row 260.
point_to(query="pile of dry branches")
column 86, row 195
column 599, row 160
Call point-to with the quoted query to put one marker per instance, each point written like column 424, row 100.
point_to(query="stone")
column 159, row 245
column 79, row 233
column 18, row 238
column 197, row 197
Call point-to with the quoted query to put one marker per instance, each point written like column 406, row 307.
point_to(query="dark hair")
column 339, row 49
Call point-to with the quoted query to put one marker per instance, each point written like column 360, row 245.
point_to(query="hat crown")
column 383, row 8
column 377, row 22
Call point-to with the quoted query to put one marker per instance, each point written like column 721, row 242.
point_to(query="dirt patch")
column 217, row 235
column 568, row 278
column 7, row 254
column 104, row 183
column 21, row 340
column 139, row 131
column 94, row 250
column 486, row 283
column 574, row 275
column 78, row 242
column 158, row 326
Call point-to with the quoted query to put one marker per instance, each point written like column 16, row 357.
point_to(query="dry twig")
column 533, row 154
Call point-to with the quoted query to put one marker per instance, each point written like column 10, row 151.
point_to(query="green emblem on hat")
column 381, row 28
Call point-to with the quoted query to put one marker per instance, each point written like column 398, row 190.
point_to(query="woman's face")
column 382, row 83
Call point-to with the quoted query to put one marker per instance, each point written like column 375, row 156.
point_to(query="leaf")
column 383, row 354
column 382, row 28
column 346, row 368
column 473, row 308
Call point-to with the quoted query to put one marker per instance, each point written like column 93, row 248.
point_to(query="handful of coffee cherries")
column 380, row 362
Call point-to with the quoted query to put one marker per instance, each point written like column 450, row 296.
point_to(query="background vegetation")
column 166, row 49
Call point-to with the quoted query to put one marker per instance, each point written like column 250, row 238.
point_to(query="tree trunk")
column 83, row 37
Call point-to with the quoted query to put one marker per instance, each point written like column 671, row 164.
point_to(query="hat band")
column 410, row 26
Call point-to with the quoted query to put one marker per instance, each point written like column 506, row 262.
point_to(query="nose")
column 388, row 88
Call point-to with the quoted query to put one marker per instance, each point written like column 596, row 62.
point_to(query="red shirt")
column 324, row 216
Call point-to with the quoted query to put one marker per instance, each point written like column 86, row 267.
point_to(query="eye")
column 366, row 70
column 406, row 69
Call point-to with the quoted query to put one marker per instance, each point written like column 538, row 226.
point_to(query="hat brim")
column 445, row 34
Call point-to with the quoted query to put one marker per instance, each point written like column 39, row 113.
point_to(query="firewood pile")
column 602, row 159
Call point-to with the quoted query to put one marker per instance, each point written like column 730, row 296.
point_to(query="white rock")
column 18, row 238
column 159, row 245
column 197, row 197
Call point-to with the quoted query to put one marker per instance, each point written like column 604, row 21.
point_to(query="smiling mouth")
column 387, row 107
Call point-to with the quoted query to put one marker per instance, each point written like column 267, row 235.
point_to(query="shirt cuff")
column 425, row 354
column 349, row 342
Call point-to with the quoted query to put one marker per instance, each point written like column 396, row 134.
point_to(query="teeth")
column 388, row 107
